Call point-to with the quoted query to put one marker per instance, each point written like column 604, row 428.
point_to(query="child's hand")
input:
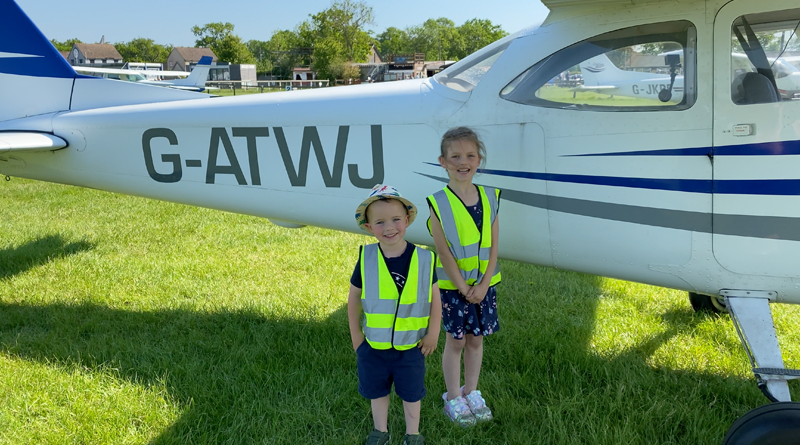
column 428, row 343
column 477, row 293
column 357, row 342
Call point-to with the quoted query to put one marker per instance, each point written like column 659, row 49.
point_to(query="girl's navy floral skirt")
column 461, row 317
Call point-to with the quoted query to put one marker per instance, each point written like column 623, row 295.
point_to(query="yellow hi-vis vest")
column 392, row 320
column 471, row 248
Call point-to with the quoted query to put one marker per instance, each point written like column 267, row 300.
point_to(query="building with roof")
column 184, row 59
column 95, row 54
column 392, row 67
column 303, row 73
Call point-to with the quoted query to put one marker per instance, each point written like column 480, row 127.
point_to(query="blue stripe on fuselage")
column 777, row 187
column 779, row 148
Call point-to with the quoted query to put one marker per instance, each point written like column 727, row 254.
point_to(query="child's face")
column 462, row 161
column 387, row 220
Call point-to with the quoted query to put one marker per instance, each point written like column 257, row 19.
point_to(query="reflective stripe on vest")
column 469, row 247
column 392, row 320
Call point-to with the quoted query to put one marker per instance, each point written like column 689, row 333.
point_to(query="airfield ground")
column 125, row 320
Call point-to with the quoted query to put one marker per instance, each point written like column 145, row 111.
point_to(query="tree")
column 477, row 33
column 258, row 49
column 287, row 50
column 143, row 50
column 437, row 38
column 337, row 35
column 345, row 70
column 65, row 45
column 394, row 41
column 220, row 38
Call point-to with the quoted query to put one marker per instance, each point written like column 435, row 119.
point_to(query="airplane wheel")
column 705, row 303
column 773, row 424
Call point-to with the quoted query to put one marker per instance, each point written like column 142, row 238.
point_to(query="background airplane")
column 601, row 75
column 194, row 81
column 698, row 193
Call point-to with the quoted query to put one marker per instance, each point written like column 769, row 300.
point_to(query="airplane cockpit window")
column 465, row 74
column 764, row 51
column 643, row 68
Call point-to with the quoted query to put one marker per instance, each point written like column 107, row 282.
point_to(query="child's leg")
column 451, row 365
column 411, row 411
column 473, row 357
column 380, row 413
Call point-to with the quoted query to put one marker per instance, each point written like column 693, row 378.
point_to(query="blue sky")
column 170, row 21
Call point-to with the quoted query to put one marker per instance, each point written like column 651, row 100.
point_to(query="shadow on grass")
column 16, row 260
column 238, row 376
column 243, row 377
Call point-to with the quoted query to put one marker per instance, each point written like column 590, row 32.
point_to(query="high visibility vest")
column 471, row 248
column 392, row 320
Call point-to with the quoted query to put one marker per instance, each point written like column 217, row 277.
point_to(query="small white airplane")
column 194, row 81
column 601, row 75
column 699, row 193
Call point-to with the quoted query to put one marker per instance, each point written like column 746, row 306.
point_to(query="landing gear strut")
column 777, row 423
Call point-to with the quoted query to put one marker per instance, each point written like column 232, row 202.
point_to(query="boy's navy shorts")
column 379, row 368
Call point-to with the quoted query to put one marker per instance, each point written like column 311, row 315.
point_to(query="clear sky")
column 169, row 22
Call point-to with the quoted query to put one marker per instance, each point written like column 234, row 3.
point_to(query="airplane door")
column 756, row 186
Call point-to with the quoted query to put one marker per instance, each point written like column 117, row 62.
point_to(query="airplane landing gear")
column 773, row 424
column 706, row 303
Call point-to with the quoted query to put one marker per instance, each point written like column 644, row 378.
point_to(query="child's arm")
column 354, row 316
column 478, row 292
column 431, row 339
column 448, row 261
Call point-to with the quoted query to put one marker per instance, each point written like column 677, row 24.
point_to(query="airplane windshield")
column 649, row 67
column 465, row 74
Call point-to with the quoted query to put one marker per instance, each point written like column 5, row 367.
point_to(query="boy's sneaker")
column 378, row 438
column 458, row 411
column 414, row 439
column 478, row 406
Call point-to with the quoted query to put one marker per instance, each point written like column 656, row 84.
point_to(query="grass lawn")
column 131, row 321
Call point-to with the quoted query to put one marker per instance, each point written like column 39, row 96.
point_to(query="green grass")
column 565, row 95
column 131, row 321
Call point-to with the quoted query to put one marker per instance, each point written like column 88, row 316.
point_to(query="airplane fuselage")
column 702, row 197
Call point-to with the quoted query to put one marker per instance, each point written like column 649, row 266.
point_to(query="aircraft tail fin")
column 198, row 76
column 34, row 77
column 599, row 70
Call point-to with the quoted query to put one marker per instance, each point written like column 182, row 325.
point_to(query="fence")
column 286, row 85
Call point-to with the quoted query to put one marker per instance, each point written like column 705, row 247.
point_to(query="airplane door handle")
column 744, row 129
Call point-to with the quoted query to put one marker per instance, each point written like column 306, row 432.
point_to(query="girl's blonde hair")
column 467, row 134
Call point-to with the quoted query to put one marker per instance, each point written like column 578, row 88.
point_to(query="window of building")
column 765, row 56
column 642, row 68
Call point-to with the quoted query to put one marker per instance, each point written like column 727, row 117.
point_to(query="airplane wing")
column 164, row 73
column 29, row 142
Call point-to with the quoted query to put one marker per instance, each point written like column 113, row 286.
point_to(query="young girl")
column 465, row 229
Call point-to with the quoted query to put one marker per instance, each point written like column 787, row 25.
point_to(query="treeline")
column 330, row 41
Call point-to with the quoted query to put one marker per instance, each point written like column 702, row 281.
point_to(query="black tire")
column 705, row 303
column 773, row 424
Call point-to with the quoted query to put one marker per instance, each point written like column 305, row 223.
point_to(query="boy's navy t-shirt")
column 398, row 268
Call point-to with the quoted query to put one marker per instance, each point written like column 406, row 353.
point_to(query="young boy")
column 394, row 283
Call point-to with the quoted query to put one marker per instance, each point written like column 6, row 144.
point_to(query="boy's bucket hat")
column 378, row 192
